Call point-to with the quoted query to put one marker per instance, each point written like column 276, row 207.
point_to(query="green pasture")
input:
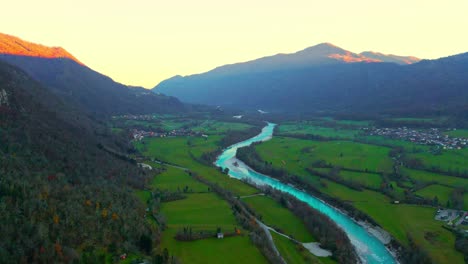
column 176, row 180
column 371, row 180
column 452, row 160
column 294, row 253
column 216, row 127
column 298, row 154
column 275, row 215
column 178, row 150
column 424, row 176
column 206, row 211
column 459, row 133
column 306, row 128
column 442, row 192
column 401, row 220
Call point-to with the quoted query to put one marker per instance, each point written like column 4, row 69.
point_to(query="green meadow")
column 306, row 128
column 182, row 151
column 371, row 180
column 431, row 191
column 427, row 177
column 216, row 127
column 460, row 133
column 206, row 211
column 402, row 220
column 276, row 216
column 293, row 253
column 176, row 180
column 407, row 145
column 298, row 154
column 453, row 160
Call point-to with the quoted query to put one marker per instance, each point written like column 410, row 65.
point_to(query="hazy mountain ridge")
column 67, row 77
column 428, row 85
column 318, row 55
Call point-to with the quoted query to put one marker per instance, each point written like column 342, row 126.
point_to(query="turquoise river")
column 369, row 248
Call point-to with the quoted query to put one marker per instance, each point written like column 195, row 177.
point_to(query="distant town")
column 433, row 136
column 138, row 135
column 136, row 117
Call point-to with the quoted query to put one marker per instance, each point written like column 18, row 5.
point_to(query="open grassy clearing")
column 357, row 123
column 293, row 253
column 425, row 176
column 442, row 192
column 177, row 150
column 216, row 127
column 206, row 211
column 407, row 145
column 460, row 133
column 400, row 220
column 307, row 128
column 449, row 160
column 275, row 215
column 176, row 180
column 413, row 119
column 297, row 154
column 200, row 210
column 371, row 180
column 228, row 250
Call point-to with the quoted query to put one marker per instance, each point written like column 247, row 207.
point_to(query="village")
column 138, row 135
column 453, row 218
column 136, row 117
column 433, row 136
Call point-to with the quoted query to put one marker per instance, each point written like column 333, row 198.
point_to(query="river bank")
column 369, row 247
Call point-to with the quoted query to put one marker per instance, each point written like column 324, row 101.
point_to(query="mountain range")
column 69, row 78
column 328, row 78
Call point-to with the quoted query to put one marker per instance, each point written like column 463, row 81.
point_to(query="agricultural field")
column 413, row 119
column 459, row 133
column 356, row 123
column 453, row 160
column 431, row 191
column 212, row 127
column 293, row 253
column 176, row 180
column 212, row 250
column 276, row 216
column 206, row 211
column 370, row 180
column 400, row 220
column 297, row 154
column 178, row 150
column 406, row 145
column 200, row 210
column 310, row 129
column 427, row 177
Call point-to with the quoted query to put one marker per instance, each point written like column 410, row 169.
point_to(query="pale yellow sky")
column 143, row 42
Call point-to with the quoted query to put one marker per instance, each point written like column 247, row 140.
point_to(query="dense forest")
column 63, row 196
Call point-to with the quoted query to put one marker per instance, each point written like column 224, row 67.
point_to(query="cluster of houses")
column 140, row 134
column 452, row 217
column 431, row 136
column 136, row 117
